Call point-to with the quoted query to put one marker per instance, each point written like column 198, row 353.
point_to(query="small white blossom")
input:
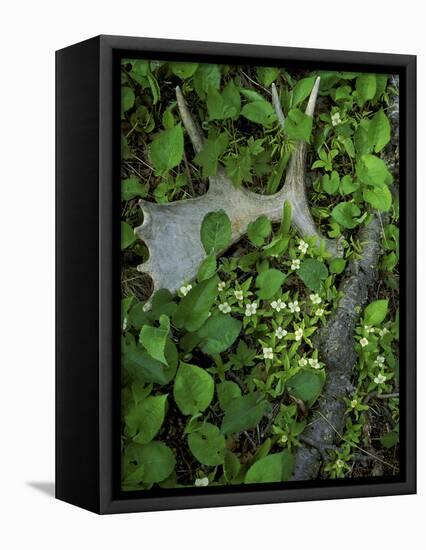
column 221, row 286
column 251, row 309
column 124, row 323
column 225, row 307
column 303, row 361
column 363, row 342
column 354, row 403
column 383, row 331
column 298, row 334
column 314, row 363
column 268, row 353
column 280, row 333
column 319, row 312
column 335, row 119
column 283, row 439
column 201, row 482
column 239, row 295
column 295, row 264
column 294, row 307
column 368, row 328
column 303, row 247
column 340, row 463
column 185, row 289
column 278, row 305
column 379, row 360
column 315, row 298
column 380, row 378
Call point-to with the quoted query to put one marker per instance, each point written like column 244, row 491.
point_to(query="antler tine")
column 310, row 108
column 195, row 135
column 277, row 106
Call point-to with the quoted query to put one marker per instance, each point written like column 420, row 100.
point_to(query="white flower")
column 319, row 312
column 303, row 247
column 295, row 264
column 278, row 304
column 239, row 295
column 303, row 361
column 314, row 363
column 225, row 307
column 251, row 309
column 380, row 378
column 283, row 439
column 268, row 353
column 294, row 307
column 124, row 323
column 315, row 298
column 368, row 328
column 383, row 331
column 363, row 342
column 201, row 482
column 185, row 289
column 354, row 403
column 298, row 334
column 340, row 463
column 379, row 360
column 280, row 333
column 221, row 286
column 335, row 119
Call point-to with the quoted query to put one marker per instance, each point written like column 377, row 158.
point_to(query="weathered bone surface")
column 172, row 231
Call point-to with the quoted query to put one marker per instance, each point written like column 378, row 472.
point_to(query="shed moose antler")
column 172, row 231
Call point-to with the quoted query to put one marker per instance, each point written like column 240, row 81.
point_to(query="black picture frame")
column 87, row 274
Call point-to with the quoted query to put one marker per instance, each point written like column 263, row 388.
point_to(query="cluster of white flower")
column 314, row 363
column 268, row 353
column 278, row 305
column 363, row 342
column 315, row 299
column 250, row 309
column 225, row 307
column 379, row 360
column 294, row 306
column 303, row 362
column 303, row 247
column 368, row 329
column 221, row 286
column 124, row 323
column 354, row 403
column 184, row 289
column 298, row 334
column 280, row 332
column 380, row 378
column 382, row 332
column 319, row 312
column 201, row 482
column 239, row 295
column 335, row 119
column 295, row 264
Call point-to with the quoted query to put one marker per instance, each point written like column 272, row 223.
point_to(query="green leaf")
column 216, row 231
column 208, row 157
column 206, row 76
column 259, row 230
column 128, row 236
column 166, row 150
column 271, row 468
column 305, row 385
column 218, row 334
column 226, row 392
column 375, row 313
column 372, row 170
column 154, row 339
column 183, row 69
column 207, row 445
column 298, row 125
column 231, row 466
column 224, row 105
column 142, row 367
column 155, row 88
column 260, row 112
column 144, row 419
column 302, row 90
column 194, row 308
column 267, row 75
column 243, row 413
column 379, row 131
column 268, row 283
column 390, row 439
column 127, row 99
column 193, row 389
column 345, row 213
column 156, row 459
column 207, row 268
column 239, row 167
column 366, row 87
column 379, row 197
column 330, row 183
column 348, row 185
column 337, row 265
column 131, row 188
column 312, row 272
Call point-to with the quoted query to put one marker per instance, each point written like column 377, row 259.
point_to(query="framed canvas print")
column 235, row 274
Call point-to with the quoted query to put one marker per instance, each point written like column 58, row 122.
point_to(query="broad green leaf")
column 390, row 439
column 239, row 167
column 128, row 236
column 218, row 334
column 348, row 185
column 345, row 213
column 337, row 265
column 379, row 131
column 372, row 170
column 298, row 125
column 183, row 69
column 154, row 339
column 302, row 90
column 272, row 468
column 156, row 459
column 312, row 272
column 142, row 367
column 375, row 313
column 206, row 76
column 212, row 150
column 366, row 87
column 268, row 283
column 226, row 392
column 330, row 183
column 207, row 268
column 193, row 389
column 260, row 112
column 216, row 231
column 131, row 188
column 207, row 445
column 231, row 466
column 259, row 230
column 194, row 308
column 243, row 413
column 144, row 419
column 378, row 196
column 155, row 88
column 267, row 75
column 127, row 99
column 166, row 150
column 305, row 385
column 224, row 105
